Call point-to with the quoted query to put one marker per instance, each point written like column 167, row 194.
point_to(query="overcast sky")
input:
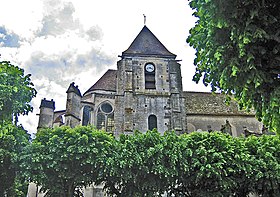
column 60, row 41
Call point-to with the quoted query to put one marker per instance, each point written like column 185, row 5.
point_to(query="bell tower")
column 149, row 87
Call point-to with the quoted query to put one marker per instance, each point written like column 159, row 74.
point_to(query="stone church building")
column 145, row 92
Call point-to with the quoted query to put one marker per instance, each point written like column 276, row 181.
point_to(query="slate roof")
column 107, row 82
column 73, row 88
column 206, row 103
column 47, row 104
column 147, row 44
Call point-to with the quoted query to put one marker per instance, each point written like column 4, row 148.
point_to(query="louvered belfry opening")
column 150, row 79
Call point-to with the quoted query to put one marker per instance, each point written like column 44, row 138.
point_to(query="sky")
column 64, row 41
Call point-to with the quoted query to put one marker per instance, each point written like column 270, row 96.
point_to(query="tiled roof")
column 107, row 82
column 147, row 44
column 206, row 103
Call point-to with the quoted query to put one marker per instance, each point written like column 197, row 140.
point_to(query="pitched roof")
column 147, row 44
column 73, row 88
column 107, row 82
column 206, row 103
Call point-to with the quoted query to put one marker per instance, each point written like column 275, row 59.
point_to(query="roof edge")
column 147, row 44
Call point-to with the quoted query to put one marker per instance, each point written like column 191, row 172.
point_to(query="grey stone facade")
column 145, row 92
column 136, row 98
column 134, row 103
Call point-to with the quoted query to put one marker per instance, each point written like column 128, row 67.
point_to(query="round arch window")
column 106, row 108
column 105, row 117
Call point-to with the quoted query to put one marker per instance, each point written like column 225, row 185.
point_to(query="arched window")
column 150, row 79
column 105, row 117
column 86, row 115
column 101, row 121
column 152, row 122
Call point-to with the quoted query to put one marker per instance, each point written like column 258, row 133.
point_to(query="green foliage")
column 210, row 167
column 203, row 164
column 193, row 165
column 12, row 142
column 63, row 159
column 238, row 52
column 16, row 91
column 136, row 167
column 265, row 153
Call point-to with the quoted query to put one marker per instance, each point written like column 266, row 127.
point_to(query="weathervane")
column 144, row 19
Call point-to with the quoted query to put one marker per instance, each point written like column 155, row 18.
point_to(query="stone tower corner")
column 46, row 115
column 73, row 106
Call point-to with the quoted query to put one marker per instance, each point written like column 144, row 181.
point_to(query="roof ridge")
column 147, row 44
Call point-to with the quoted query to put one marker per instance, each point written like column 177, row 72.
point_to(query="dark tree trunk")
column 71, row 189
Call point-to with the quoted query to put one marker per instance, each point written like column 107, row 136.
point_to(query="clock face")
column 150, row 67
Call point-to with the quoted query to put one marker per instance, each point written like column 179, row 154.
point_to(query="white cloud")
column 94, row 33
column 60, row 41
column 60, row 51
column 23, row 17
column 63, row 67
column 58, row 18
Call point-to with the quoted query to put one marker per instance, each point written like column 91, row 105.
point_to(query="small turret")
column 74, row 89
column 47, row 108
column 73, row 106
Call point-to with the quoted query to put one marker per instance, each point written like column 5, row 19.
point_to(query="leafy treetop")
column 237, row 46
column 63, row 160
column 16, row 91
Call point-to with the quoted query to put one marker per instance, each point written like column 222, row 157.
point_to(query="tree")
column 13, row 139
column 265, row 172
column 237, row 47
column 62, row 160
column 136, row 166
column 211, row 165
column 191, row 165
column 16, row 92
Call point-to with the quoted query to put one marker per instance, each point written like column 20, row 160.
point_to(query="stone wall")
column 206, row 111
column 133, row 112
column 135, row 102
column 206, row 122
column 46, row 117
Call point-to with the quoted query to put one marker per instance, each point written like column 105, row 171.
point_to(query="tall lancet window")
column 150, row 79
column 86, row 115
column 105, row 117
column 152, row 122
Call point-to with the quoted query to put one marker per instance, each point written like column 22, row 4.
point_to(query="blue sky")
column 60, row 41
column 7, row 39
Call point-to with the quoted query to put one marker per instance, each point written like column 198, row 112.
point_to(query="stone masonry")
column 145, row 92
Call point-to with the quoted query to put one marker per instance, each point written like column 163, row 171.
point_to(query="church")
column 143, row 93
